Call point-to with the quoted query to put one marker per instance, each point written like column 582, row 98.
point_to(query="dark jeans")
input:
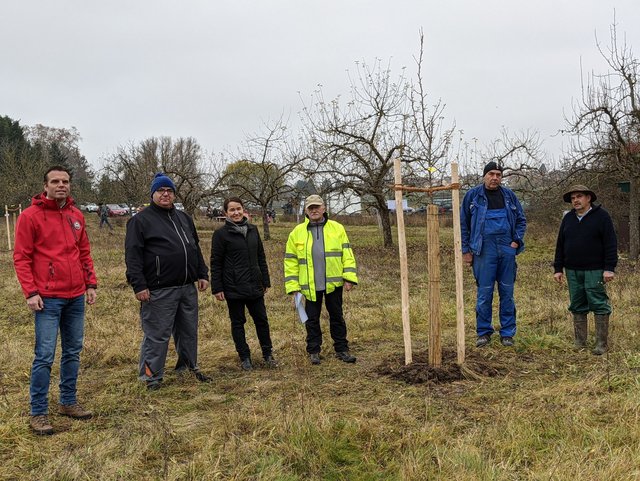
column 172, row 311
column 68, row 316
column 337, row 326
column 258, row 313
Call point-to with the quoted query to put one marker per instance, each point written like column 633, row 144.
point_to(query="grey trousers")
column 171, row 311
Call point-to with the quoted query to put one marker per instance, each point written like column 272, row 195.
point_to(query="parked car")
column 114, row 210
column 443, row 208
column 126, row 208
column 214, row 212
column 178, row 205
column 90, row 207
column 140, row 208
column 444, row 205
column 406, row 210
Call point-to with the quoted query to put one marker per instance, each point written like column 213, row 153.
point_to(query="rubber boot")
column 580, row 330
column 602, row 333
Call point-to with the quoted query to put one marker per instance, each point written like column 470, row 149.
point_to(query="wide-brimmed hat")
column 313, row 200
column 579, row 188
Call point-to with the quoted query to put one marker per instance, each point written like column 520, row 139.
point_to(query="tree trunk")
column 634, row 214
column 265, row 225
column 384, row 218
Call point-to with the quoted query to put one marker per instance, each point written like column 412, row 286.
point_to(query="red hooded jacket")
column 52, row 256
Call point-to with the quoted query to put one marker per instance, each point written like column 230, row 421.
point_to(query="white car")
column 91, row 207
column 178, row 205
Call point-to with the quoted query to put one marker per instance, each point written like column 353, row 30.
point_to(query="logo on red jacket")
column 76, row 225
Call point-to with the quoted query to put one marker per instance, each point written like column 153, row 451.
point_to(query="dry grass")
column 550, row 413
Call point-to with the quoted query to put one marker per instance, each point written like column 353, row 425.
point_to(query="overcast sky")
column 123, row 71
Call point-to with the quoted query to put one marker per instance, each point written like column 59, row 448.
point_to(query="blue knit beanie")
column 161, row 180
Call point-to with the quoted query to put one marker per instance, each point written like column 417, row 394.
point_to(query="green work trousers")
column 587, row 292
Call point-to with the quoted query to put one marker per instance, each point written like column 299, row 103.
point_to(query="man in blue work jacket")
column 493, row 227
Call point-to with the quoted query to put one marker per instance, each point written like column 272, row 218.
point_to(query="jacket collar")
column 591, row 210
column 41, row 200
column 156, row 208
column 483, row 189
column 307, row 221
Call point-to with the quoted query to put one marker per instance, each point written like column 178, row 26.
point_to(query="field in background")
column 543, row 412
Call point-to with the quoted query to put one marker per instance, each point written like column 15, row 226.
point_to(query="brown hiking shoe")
column 40, row 425
column 74, row 411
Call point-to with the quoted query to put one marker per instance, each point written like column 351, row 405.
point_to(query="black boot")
column 314, row 357
column 270, row 361
column 345, row 356
column 246, row 364
column 580, row 330
column 602, row 334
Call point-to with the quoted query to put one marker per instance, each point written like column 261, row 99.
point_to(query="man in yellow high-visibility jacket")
column 318, row 263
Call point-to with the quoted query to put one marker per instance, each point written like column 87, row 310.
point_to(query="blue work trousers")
column 496, row 263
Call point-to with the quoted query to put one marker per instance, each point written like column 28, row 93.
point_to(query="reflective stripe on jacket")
column 298, row 260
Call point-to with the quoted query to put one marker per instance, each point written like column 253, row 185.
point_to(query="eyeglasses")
column 165, row 191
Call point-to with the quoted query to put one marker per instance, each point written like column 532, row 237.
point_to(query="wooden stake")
column 457, row 252
column 404, row 268
column 6, row 216
column 433, row 264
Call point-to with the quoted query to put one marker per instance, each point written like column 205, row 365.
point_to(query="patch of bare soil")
column 419, row 371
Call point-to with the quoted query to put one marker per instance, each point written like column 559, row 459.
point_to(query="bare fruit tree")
column 428, row 142
column 355, row 141
column 133, row 166
column 605, row 125
column 267, row 163
column 519, row 154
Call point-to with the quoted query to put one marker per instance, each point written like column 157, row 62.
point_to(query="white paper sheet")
column 299, row 300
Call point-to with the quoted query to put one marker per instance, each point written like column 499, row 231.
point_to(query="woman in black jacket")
column 239, row 275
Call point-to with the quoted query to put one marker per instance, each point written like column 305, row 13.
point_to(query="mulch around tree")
column 476, row 366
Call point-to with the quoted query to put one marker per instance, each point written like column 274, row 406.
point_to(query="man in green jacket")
column 319, row 263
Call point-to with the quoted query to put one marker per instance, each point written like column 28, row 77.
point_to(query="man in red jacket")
column 53, row 262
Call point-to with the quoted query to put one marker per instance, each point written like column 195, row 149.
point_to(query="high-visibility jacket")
column 298, row 259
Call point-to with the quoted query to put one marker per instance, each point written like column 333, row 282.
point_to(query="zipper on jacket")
column 185, row 235
column 158, row 268
column 184, row 247
column 51, row 274
column 324, row 253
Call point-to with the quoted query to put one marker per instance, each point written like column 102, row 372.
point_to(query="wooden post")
column 457, row 253
column 404, row 268
column 6, row 216
column 433, row 264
